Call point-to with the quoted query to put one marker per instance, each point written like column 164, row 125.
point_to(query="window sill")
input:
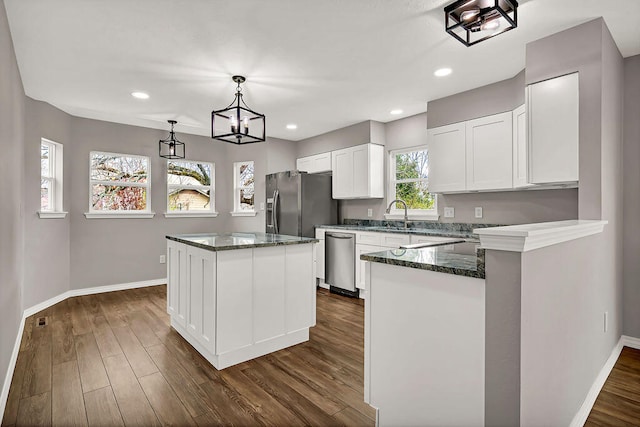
column 244, row 213
column 412, row 217
column 114, row 215
column 51, row 215
column 190, row 214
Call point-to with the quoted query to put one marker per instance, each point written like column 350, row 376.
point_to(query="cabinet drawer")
column 395, row 240
column 320, row 233
column 369, row 238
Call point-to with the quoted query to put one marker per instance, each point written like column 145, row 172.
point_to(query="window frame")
column 237, row 210
column 97, row 214
column 395, row 213
column 55, row 178
column 211, row 212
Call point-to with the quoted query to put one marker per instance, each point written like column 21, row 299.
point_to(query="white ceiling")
column 320, row 64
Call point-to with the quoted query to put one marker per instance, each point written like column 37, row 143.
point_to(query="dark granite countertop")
column 230, row 241
column 462, row 259
column 416, row 231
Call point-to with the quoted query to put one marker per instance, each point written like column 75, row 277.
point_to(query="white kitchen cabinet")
column 447, row 158
column 553, row 121
column 177, row 275
column 489, row 147
column 367, row 242
column 320, row 254
column 358, row 172
column 520, row 151
column 201, row 323
column 315, row 164
column 361, row 265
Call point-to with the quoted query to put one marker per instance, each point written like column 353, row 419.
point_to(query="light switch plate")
column 261, row 206
column 478, row 212
column 369, row 213
column 163, row 259
column 449, row 212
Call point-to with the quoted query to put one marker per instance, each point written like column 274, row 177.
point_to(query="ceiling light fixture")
column 171, row 148
column 140, row 95
column 292, row 126
column 442, row 72
column 473, row 21
column 395, row 112
column 237, row 123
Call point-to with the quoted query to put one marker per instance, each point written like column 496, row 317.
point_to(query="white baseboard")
column 583, row 413
column 48, row 303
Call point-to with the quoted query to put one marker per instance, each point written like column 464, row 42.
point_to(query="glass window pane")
column 116, row 197
column 45, row 195
column 45, row 160
column 107, row 167
column 246, row 199
column 188, row 173
column 412, row 165
column 187, row 199
column 246, row 174
column 415, row 194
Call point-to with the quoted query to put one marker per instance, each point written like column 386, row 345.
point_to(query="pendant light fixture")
column 237, row 123
column 473, row 21
column 171, row 148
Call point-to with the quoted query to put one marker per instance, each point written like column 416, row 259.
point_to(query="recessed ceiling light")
column 441, row 72
column 292, row 126
column 395, row 112
column 140, row 95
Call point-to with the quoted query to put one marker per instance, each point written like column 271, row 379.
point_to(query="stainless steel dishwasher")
column 340, row 257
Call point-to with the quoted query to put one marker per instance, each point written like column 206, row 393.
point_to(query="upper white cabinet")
column 315, row 164
column 358, row 172
column 471, row 156
column 552, row 107
column 520, row 177
column 489, row 145
column 447, row 158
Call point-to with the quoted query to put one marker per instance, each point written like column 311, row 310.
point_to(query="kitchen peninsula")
column 237, row 296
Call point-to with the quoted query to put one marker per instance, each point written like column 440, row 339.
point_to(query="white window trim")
column 211, row 213
column 415, row 214
column 55, row 166
column 142, row 214
column 236, row 190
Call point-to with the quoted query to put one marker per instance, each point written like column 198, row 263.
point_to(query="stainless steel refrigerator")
column 297, row 201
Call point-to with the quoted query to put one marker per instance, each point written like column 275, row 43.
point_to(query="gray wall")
column 631, row 249
column 11, row 190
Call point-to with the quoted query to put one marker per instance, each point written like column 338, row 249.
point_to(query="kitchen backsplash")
column 445, row 226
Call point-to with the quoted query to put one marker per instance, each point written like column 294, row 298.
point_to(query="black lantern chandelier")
column 171, row 148
column 472, row 21
column 237, row 123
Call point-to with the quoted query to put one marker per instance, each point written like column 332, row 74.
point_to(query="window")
column 409, row 181
column 190, row 188
column 243, row 194
column 118, row 183
column 50, row 180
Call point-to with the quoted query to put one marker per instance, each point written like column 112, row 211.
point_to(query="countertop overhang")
column 231, row 241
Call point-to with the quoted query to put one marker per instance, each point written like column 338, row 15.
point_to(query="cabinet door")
column 321, row 162
column 320, row 260
column 520, row 151
column 360, row 168
column 342, row 176
column 304, row 164
column 201, row 292
column 553, row 130
column 447, row 165
column 177, row 282
column 489, row 145
column 361, row 265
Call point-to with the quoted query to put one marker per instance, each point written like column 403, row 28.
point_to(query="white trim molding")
column 527, row 237
column 244, row 213
column 52, row 215
column 190, row 214
column 119, row 214
column 48, row 303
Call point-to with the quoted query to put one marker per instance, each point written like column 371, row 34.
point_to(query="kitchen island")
column 237, row 296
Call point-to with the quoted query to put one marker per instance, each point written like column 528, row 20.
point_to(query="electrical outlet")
column 606, row 321
column 369, row 213
column 163, row 259
column 449, row 212
column 478, row 212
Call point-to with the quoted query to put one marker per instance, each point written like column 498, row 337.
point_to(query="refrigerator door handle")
column 276, row 196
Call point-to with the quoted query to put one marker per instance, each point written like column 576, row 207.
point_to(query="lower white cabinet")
column 235, row 305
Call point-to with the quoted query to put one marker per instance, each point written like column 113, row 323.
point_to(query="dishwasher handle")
column 339, row 236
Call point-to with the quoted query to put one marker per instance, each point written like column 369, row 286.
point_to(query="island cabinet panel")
column 300, row 303
column 201, row 276
column 235, row 294
column 269, row 293
column 177, row 275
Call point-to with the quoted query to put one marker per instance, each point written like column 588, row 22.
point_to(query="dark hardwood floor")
column 618, row 403
column 111, row 359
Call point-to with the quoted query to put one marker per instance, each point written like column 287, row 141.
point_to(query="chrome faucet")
column 406, row 218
